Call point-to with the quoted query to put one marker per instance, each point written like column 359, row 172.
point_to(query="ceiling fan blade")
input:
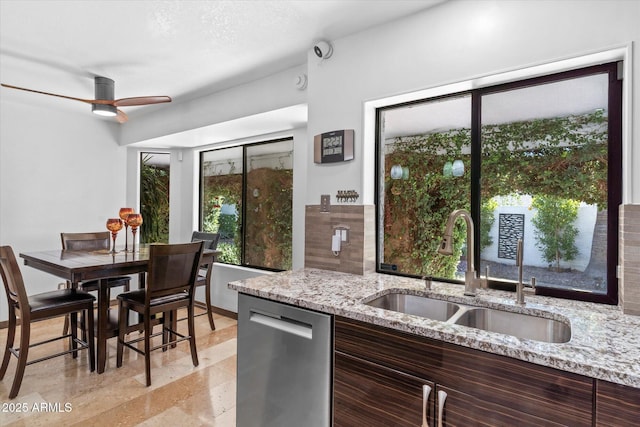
column 140, row 100
column 121, row 117
column 88, row 101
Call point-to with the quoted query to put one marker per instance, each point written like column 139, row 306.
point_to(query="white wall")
column 453, row 42
column 83, row 171
column 58, row 173
column 266, row 94
column 221, row 295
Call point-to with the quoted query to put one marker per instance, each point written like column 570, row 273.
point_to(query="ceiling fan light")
column 104, row 110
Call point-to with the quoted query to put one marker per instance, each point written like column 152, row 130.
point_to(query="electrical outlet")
column 325, row 203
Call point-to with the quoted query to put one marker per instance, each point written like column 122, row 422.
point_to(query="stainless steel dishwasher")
column 284, row 365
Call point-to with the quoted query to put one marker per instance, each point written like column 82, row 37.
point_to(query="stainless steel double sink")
column 488, row 319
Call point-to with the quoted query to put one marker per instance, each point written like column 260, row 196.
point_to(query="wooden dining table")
column 77, row 267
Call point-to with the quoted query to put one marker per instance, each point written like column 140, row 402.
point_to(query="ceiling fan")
column 104, row 104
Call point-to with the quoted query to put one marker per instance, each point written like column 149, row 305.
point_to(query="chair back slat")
column 85, row 242
column 172, row 268
column 12, row 279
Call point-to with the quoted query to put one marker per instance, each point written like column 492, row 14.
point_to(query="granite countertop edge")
column 605, row 343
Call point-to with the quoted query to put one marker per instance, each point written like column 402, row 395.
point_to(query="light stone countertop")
column 605, row 343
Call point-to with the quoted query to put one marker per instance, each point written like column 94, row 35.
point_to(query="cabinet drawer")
column 617, row 405
column 532, row 389
column 369, row 395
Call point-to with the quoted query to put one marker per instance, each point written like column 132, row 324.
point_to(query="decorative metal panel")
column 510, row 229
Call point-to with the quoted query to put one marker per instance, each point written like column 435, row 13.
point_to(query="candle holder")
column 124, row 213
column 114, row 225
column 134, row 221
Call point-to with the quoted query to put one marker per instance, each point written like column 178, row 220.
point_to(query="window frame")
column 245, row 165
column 614, row 178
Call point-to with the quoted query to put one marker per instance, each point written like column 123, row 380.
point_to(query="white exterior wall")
column 531, row 254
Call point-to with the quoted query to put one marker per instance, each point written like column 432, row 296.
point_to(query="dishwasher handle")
column 284, row 324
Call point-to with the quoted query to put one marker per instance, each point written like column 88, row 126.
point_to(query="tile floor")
column 62, row 391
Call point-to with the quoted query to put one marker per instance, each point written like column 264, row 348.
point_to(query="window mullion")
column 243, row 229
column 476, row 167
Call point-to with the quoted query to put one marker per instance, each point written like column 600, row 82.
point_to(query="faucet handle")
column 484, row 282
column 530, row 289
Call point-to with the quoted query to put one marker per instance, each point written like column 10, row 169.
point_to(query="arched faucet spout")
column 471, row 280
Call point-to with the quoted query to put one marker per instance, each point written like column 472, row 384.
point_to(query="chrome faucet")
column 471, row 279
column 520, row 285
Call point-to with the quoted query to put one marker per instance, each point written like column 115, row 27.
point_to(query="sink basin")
column 416, row 305
column 492, row 320
column 516, row 324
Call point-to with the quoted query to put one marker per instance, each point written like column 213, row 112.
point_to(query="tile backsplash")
column 358, row 255
column 629, row 280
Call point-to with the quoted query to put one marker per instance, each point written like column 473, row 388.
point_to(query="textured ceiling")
column 183, row 49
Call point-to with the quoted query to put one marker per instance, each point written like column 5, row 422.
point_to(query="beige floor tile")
column 180, row 394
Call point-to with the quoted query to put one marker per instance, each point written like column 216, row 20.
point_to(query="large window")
column 537, row 160
column 246, row 196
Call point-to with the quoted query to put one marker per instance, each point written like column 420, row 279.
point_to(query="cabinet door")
column 617, row 405
column 461, row 409
column 540, row 391
column 366, row 394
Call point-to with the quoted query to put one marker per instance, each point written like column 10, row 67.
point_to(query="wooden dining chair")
column 204, row 273
column 89, row 242
column 25, row 310
column 170, row 284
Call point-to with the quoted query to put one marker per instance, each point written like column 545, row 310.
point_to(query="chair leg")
column 166, row 324
column 173, row 323
column 25, row 332
column 11, row 334
column 83, row 324
column 192, row 334
column 147, row 347
column 122, row 327
column 74, row 333
column 89, row 327
column 207, row 291
column 65, row 328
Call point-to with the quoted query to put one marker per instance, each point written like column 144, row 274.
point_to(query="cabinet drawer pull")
column 442, row 396
column 426, row 391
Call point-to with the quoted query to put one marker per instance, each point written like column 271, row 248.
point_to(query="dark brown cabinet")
column 366, row 394
column 461, row 409
column 617, row 405
column 380, row 374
